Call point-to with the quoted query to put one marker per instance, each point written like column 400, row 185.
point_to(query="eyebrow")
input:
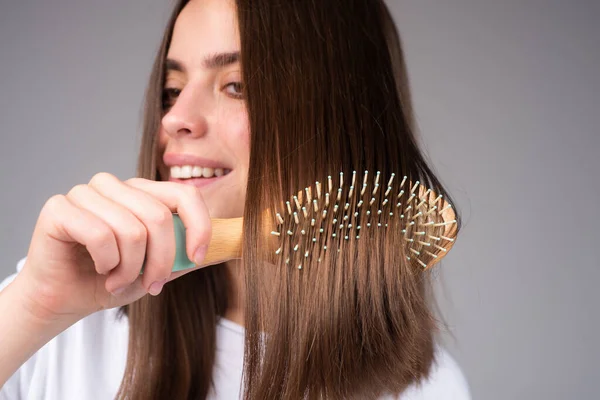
column 212, row 61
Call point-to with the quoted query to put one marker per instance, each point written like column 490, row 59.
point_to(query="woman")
column 259, row 97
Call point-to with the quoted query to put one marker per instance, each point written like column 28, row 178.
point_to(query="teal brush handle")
column 182, row 261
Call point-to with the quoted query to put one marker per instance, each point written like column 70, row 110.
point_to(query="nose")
column 185, row 117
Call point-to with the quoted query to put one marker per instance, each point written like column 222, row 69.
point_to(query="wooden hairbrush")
column 315, row 221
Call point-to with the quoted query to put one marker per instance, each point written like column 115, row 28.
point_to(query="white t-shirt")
column 87, row 362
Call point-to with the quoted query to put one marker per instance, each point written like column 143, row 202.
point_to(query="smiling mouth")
column 185, row 172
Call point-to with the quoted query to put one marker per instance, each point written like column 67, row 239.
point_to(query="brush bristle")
column 312, row 224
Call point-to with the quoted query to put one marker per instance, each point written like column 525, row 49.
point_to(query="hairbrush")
column 323, row 218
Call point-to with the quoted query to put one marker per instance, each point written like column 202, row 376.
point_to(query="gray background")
column 507, row 97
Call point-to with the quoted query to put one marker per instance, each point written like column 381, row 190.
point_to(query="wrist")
column 24, row 328
column 28, row 300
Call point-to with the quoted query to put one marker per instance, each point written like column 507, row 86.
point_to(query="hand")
column 88, row 247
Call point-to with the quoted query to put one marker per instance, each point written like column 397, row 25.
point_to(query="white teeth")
column 197, row 172
column 208, row 172
column 186, row 172
column 189, row 171
column 176, row 172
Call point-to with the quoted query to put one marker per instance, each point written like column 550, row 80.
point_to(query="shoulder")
column 446, row 381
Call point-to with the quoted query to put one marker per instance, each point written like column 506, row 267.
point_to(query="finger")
column 156, row 216
column 130, row 232
column 128, row 295
column 187, row 201
column 65, row 222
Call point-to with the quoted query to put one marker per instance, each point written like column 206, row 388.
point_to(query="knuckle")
column 54, row 203
column 136, row 234
column 101, row 236
column 77, row 190
column 108, row 262
column 101, row 178
column 133, row 181
column 160, row 217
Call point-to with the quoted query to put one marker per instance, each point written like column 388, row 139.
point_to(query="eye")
column 235, row 89
column 169, row 96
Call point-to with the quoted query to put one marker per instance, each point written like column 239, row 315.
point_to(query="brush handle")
column 225, row 243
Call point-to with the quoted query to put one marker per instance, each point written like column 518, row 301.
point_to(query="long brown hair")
column 326, row 91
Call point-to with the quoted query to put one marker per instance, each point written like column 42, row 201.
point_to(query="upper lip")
column 176, row 159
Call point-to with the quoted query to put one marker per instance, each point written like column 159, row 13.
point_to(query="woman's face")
column 204, row 131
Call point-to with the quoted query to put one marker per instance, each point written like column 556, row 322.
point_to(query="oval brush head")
column 320, row 216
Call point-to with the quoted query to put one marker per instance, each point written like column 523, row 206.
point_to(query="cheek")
column 239, row 133
column 244, row 135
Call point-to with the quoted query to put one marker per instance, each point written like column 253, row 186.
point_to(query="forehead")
column 204, row 27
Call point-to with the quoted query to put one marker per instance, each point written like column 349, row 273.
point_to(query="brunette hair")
column 326, row 90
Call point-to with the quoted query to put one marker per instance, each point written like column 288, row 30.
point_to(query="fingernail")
column 156, row 287
column 200, row 254
column 119, row 291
